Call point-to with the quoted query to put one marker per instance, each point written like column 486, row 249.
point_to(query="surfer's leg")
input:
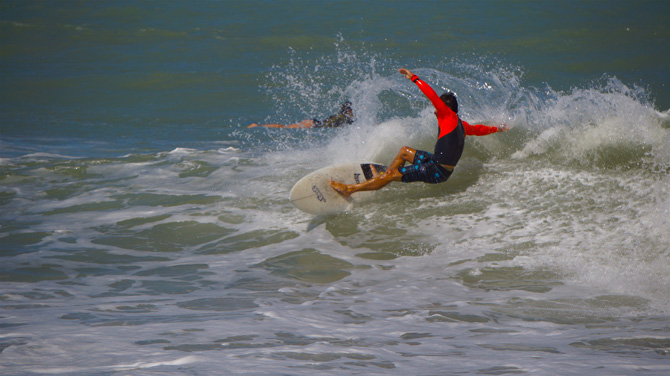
column 375, row 173
column 369, row 185
column 406, row 154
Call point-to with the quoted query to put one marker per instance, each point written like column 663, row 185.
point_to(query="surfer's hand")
column 502, row 128
column 406, row 72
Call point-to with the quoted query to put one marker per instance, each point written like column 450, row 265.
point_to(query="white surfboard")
column 313, row 193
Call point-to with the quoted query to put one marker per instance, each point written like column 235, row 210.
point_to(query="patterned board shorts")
column 424, row 169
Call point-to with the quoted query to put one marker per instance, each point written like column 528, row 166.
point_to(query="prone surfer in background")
column 426, row 167
column 343, row 117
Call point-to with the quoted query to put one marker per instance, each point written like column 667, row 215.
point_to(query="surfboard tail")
column 313, row 193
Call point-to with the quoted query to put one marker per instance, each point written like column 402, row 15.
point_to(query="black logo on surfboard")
column 319, row 195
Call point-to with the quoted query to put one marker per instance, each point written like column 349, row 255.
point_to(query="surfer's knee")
column 407, row 153
column 405, row 150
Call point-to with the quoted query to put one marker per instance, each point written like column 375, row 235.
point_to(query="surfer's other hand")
column 406, row 72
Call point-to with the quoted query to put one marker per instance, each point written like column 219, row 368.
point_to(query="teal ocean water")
column 145, row 230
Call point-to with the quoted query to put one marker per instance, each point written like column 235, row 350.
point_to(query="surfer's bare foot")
column 340, row 188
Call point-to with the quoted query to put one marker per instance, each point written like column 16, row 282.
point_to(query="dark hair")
column 450, row 100
column 346, row 106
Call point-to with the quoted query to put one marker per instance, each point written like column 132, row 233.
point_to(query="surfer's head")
column 346, row 109
column 450, row 100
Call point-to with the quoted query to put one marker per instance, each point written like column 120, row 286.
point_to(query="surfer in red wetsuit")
column 343, row 117
column 426, row 167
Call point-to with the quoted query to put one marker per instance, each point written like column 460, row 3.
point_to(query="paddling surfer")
column 343, row 117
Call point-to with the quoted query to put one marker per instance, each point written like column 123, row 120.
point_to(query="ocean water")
column 144, row 230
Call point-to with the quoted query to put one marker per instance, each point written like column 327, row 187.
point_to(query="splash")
column 606, row 126
column 309, row 85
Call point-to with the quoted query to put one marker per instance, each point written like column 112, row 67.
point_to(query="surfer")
column 426, row 167
column 343, row 117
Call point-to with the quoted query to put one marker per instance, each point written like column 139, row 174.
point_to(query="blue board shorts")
column 424, row 169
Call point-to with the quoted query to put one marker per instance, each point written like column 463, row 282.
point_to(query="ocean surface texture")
column 145, row 230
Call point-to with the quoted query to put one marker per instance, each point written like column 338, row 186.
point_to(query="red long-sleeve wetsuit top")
column 451, row 136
